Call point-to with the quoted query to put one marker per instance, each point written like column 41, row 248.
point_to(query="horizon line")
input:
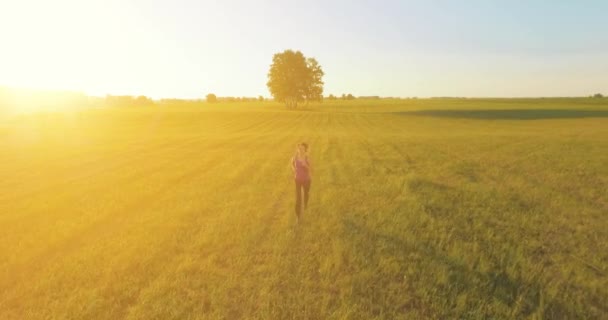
column 325, row 97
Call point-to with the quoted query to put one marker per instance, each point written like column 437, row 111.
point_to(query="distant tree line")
column 343, row 97
column 177, row 102
column 128, row 101
column 125, row 100
column 212, row 98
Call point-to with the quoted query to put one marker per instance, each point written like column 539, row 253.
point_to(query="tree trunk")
column 291, row 103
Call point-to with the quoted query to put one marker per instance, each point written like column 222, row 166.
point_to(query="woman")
column 300, row 164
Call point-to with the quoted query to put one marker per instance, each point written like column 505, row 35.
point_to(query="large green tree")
column 293, row 78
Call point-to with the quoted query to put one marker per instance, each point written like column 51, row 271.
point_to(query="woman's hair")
column 305, row 145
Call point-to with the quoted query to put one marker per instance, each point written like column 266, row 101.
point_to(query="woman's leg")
column 298, row 198
column 306, row 186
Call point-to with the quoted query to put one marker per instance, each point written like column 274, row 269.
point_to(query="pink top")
column 302, row 173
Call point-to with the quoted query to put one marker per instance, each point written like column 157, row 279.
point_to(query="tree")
column 331, row 97
column 294, row 78
column 211, row 98
column 143, row 101
column 598, row 95
column 260, row 98
column 314, row 87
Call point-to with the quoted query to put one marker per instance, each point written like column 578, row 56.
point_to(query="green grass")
column 439, row 208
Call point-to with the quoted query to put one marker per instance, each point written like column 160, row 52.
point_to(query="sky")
column 188, row 48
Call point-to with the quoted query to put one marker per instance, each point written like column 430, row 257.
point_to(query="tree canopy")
column 211, row 98
column 293, row 78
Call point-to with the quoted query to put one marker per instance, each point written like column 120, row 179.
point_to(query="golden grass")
column 419, row 209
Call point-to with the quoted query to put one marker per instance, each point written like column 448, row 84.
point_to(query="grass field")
column 437, row 209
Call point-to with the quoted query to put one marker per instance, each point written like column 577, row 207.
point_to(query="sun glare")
column 24, row 101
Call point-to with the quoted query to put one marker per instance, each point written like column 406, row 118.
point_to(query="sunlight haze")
column 187, row 49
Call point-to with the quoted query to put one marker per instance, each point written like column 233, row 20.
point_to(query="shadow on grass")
column 503, row 278
column 511, row 114
column 496, row 284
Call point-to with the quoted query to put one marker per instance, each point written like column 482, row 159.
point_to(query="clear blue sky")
column 187, row 48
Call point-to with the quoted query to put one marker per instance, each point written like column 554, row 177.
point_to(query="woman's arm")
column 293, row 164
